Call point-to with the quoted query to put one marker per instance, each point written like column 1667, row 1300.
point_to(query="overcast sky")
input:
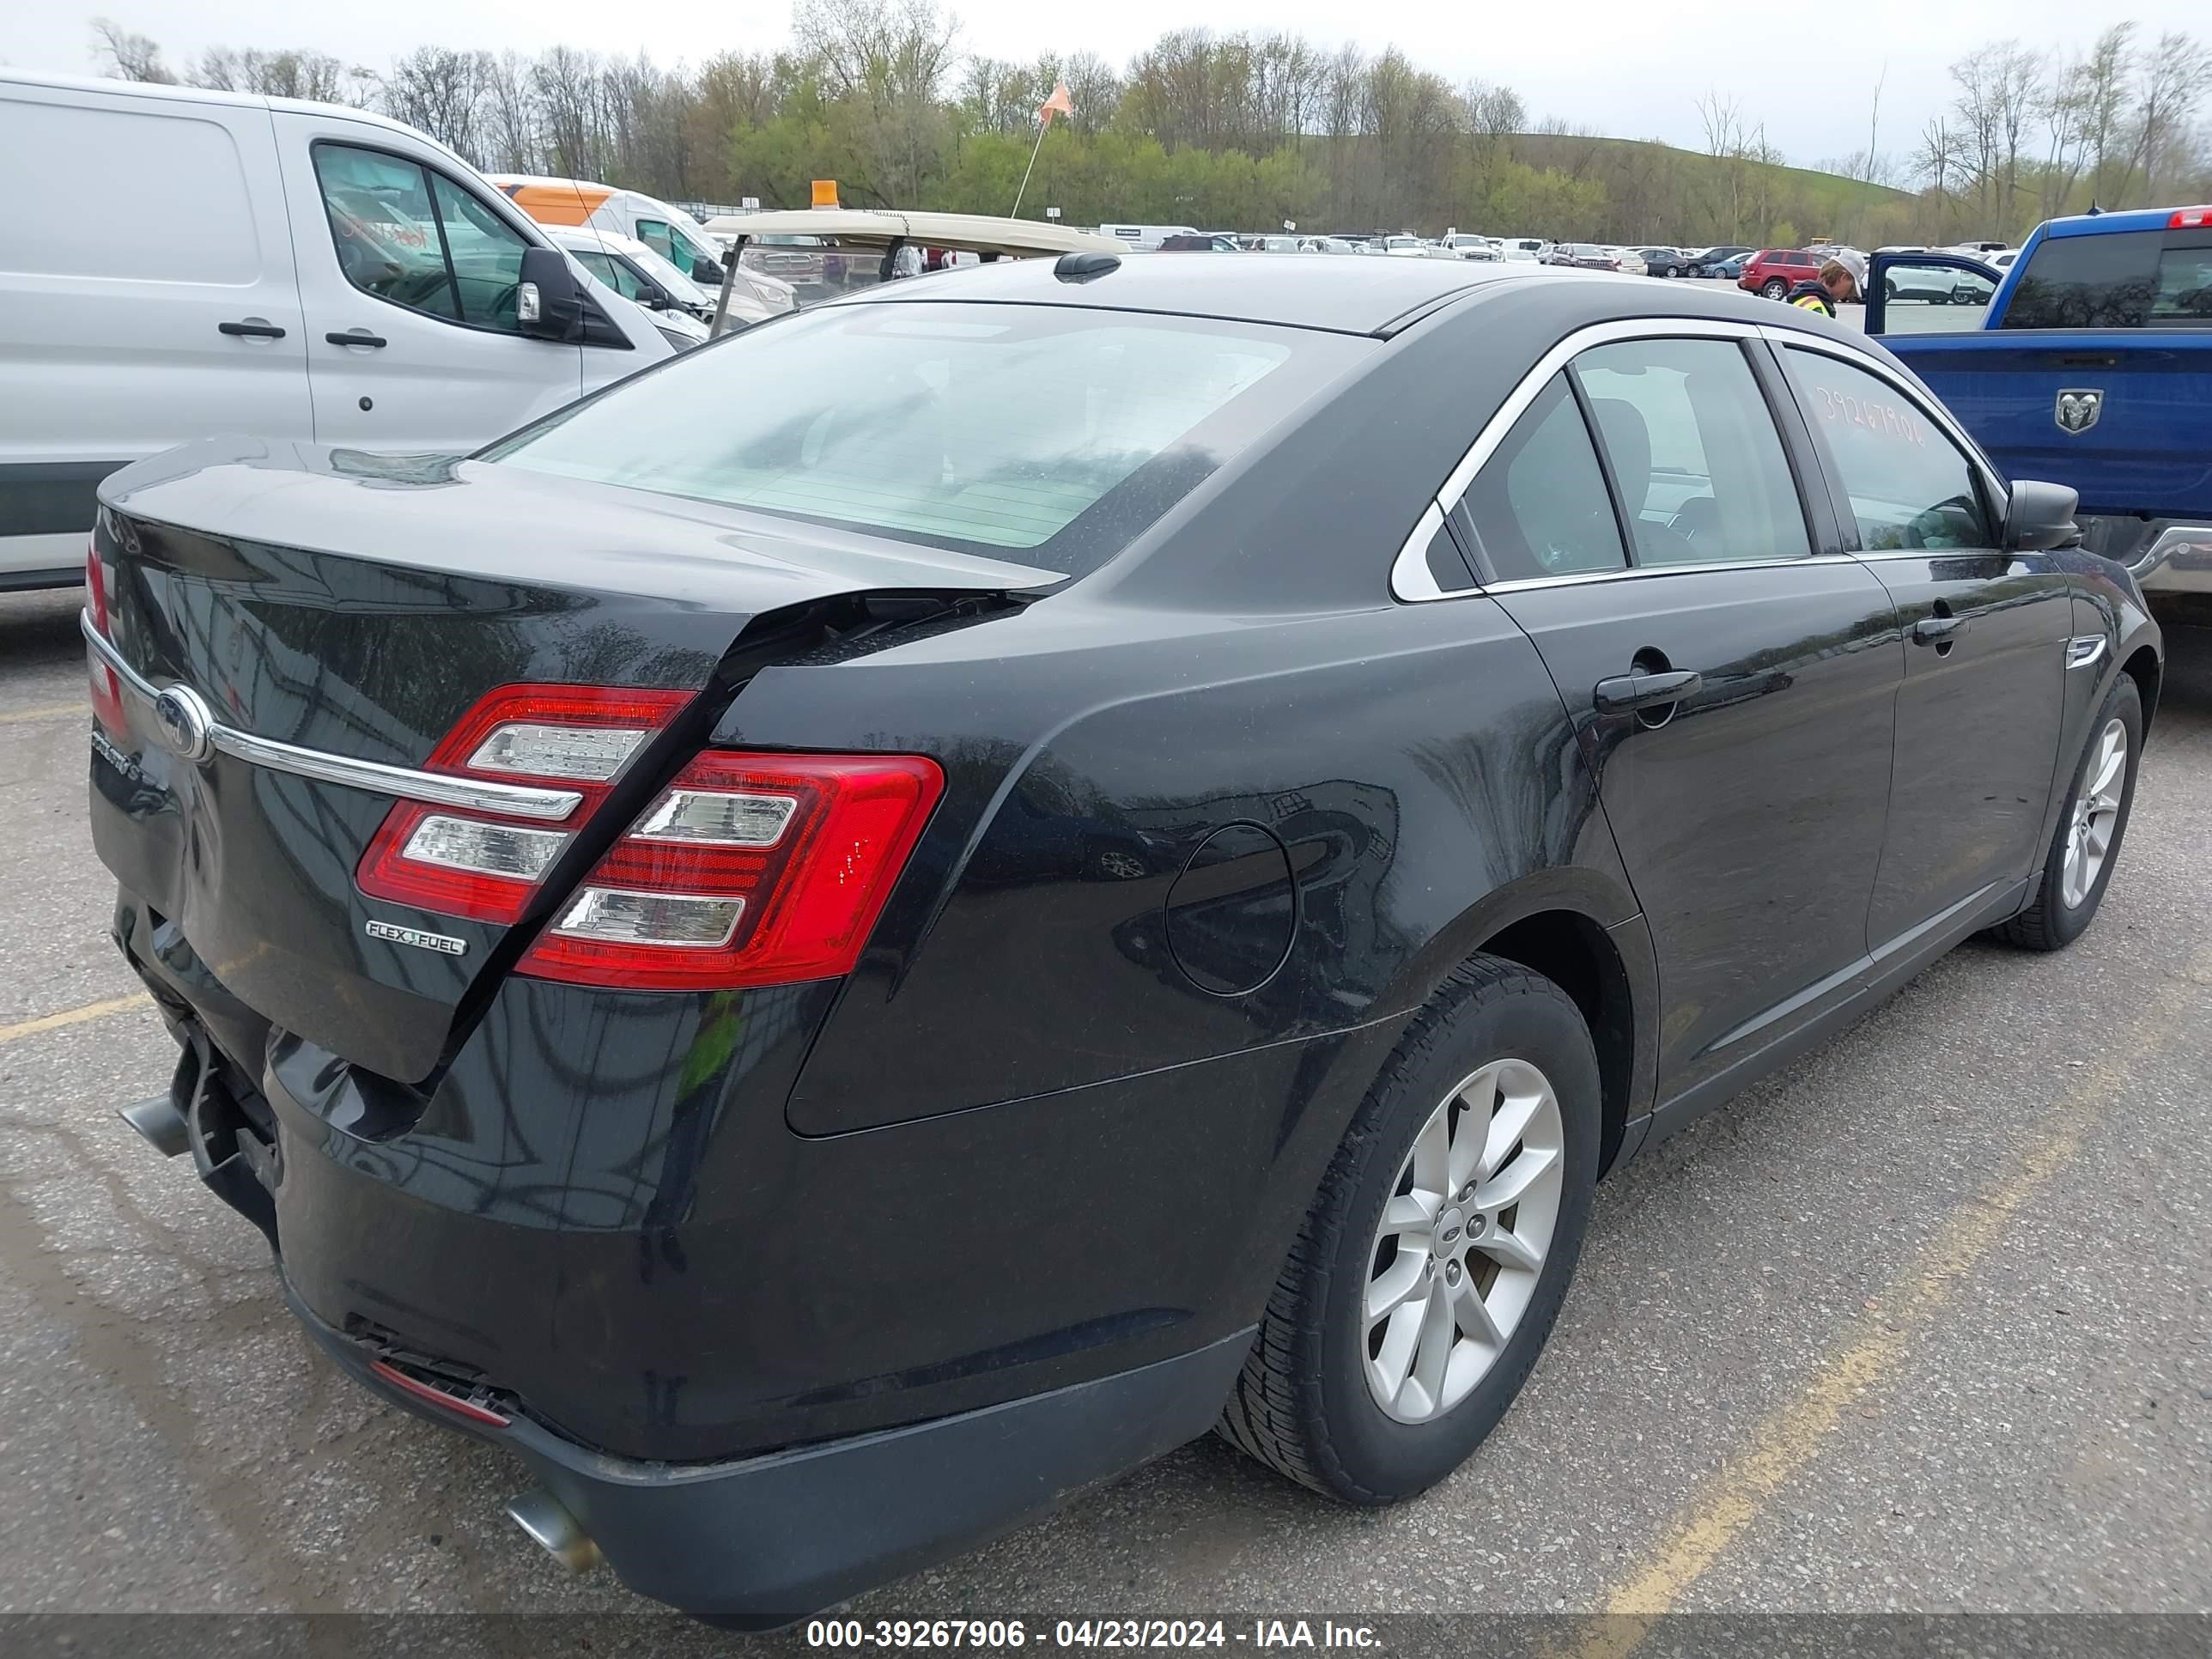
column 1628, row 68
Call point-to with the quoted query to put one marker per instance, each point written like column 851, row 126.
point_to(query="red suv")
column 1774, row 271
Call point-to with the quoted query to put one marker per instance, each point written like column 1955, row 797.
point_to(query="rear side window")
column 2128, row 279
column 1045, row 434
column 1538, row 507
column 1700, row 469
column 1910, row 486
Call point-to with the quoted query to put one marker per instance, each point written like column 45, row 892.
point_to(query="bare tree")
column 2176, row 75
column 442, row 91
column 125, row 56
column 2103, row 93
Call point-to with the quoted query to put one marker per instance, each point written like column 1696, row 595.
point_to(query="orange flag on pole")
column 1058, row 104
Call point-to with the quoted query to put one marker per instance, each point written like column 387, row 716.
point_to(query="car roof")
column 589, row 237
column 1351, row 296
column 2106, row 224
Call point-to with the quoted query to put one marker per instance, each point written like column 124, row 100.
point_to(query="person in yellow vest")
column 1841, row 282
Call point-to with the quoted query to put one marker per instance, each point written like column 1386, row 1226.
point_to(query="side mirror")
column 547, row 299
column 2040, row 517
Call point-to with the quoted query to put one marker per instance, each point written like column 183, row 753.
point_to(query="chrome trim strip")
column 1411, row 579
column 2085, row 650
column 1406, row 587
column 434, row 788
column 1523, row 584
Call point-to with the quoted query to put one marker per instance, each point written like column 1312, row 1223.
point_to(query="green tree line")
column 1246, row 131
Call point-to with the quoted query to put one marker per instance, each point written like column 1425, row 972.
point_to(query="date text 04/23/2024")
column 1001, row 1634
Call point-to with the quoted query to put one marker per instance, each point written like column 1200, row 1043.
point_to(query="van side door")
column 122, row 337
column 409, row 273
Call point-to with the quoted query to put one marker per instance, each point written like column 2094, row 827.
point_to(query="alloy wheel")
column 1461, row 1247
column 2096, row 813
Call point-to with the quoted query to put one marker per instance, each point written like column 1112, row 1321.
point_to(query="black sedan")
column 913, row 908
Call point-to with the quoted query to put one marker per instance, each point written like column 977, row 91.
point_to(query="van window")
column 615, row 273
column 416, row 239
column 190, row 216
column 658, row 237
column 2126, row 279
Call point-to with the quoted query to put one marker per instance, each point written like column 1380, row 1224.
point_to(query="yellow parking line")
column 53, row 711
column 1873, row 1343
column 72, row 1017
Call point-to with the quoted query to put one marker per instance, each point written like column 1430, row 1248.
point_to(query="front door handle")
column 1624, row 692
column 1937, row 630
column 251, row 331
column 357, row 337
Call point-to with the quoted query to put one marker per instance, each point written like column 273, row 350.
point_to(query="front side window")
column 1049, row 434
column 385, row 228
column 615, row 273
column 657, row 236
column 1701, row 471
column 414, row 238
column 1538, row 507
column 1910, row 486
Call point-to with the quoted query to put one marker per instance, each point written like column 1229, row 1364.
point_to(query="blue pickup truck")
column 2087, row 362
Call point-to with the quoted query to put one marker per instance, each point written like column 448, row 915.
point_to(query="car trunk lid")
column 353, row 608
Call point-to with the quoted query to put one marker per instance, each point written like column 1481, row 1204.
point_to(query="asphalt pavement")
column 1922, row 1324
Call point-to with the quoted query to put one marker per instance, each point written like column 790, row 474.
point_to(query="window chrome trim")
column 433, row 789
column 1410, row 580
column 1703, row 566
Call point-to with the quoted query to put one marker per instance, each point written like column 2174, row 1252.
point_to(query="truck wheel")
column 2087, row 843
column 1436, row 1255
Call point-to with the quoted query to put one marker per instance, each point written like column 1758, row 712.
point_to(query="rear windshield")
column 2129, row 279
column 1047, row 434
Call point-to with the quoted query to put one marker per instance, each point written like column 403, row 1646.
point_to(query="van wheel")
column 1436, row 1255
column 2086, row 845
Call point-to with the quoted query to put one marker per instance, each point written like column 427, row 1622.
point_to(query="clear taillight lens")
column 485, row 867
column 748, row 870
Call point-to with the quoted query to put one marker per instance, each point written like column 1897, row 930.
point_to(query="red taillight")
column 107, row 689
column 480, row 865
column 747, row 870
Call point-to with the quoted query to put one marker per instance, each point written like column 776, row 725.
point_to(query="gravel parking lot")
column 1924, row 1323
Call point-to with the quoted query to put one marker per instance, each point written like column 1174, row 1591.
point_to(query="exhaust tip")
column 162, row 1123
column 554, row 1530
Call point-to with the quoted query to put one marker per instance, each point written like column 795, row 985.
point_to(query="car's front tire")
column 2086, row 846
column 1436, row 1255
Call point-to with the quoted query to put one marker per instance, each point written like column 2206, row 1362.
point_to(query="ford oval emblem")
column 184, row 723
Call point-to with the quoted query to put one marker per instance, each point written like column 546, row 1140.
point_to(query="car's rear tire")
column 1774, row 287
column 1499, row 1042
column 2086, row 845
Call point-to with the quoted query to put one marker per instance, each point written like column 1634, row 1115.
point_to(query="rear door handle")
column 1936, row 631
column 357, row 337
column 251, row 331
column 1624, row 692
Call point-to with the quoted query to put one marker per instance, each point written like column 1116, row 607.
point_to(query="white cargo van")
column 671, row 232
column 284, row 269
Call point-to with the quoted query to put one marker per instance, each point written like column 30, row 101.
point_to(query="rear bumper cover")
column 761, row 1542
column 2164, row 555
